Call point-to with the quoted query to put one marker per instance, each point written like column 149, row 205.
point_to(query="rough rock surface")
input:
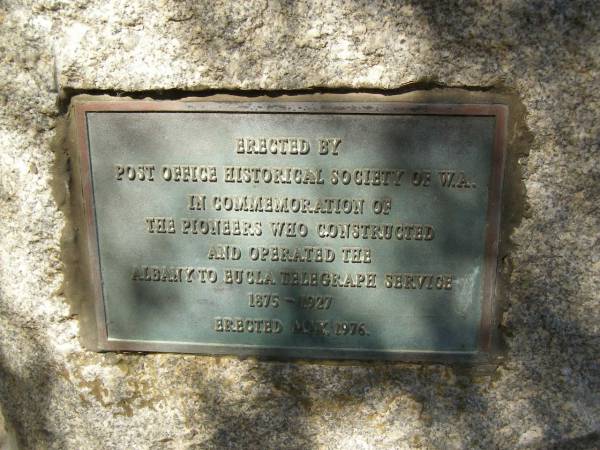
column 56, row 395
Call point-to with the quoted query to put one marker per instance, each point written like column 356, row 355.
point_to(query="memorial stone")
column 68, row 255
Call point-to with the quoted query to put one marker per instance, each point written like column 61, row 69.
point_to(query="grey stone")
column 545, row 393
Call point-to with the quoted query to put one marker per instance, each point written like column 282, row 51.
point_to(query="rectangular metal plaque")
column 293, row 229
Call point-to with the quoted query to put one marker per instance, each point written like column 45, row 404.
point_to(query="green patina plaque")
column 304, row 229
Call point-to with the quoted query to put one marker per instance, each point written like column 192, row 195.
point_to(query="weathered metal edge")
column 89, row 225
column 497, row 110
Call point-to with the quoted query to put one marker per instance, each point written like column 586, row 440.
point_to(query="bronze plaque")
column 341, row 229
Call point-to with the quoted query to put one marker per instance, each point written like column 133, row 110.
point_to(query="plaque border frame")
column 489, row 310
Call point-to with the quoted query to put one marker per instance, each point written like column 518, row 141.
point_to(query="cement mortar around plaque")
column 336, row 226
